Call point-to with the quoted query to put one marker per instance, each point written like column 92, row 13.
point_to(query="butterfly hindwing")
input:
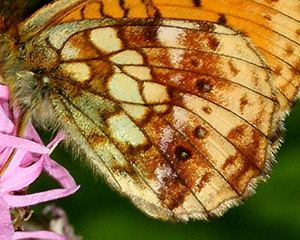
column 177, row 104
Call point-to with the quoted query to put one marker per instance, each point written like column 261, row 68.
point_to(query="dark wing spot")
column 296, row 69
column 267, row 17
column 233, row 69
column 194, row 62
column 243, row 103
column 203, row 86
column 200, row 132
column 197, row 3
column 182, row 153
column 213, row 43
column 222, row 19
column 277, row 70
column 206, row 177
column 207, row 110
column 289, row 50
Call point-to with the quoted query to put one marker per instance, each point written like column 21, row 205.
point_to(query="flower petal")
column 11, row 169
column 4, row 155
column 6, row 228
column 6, row 126
column 35, row 198
column 31, row 134
column 24, row 178
column 38, row 235
column 4, row 92
column 29, row 158
column 59, row 173
column 24, row 144
column 57, row 139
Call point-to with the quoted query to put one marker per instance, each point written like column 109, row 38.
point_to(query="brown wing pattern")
column 179, row 115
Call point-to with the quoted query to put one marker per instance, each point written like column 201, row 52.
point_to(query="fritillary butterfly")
column 177, row 104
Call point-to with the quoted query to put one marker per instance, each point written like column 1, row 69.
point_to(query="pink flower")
column 19, row 170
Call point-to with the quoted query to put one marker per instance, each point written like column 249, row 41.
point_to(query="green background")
column 273, row 212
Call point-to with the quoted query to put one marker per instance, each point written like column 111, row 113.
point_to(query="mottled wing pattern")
column 176, row 103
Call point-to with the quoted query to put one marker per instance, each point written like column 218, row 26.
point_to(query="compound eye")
column 21, row 51
column 37, row 74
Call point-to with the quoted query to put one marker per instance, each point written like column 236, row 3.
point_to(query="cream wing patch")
column 77, row 71
column 106, row 39
column 138, row 112
column 139, row 72
column 127, row 57
column 170, row 36
column 161, row 108
column 124, row 88
column 69, row 52
column 125, row 131
column 155, row 93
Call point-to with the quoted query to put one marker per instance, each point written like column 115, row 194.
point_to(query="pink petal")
column 58, row 138
column 6, row 126
column 4, row 155
column 6, row 228
column 14, row 165
column 4, row 92
column 20, row 143
column 31, row 134
column 38, row 235
column 24, row 178
column 35, row 198
column 59, row 173
column 30, row 158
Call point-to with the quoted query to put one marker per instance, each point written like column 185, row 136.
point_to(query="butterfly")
column 178, row 104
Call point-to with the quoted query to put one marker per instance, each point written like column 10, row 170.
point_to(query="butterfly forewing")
column 177, row 105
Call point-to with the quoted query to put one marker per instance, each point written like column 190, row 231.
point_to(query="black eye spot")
column 182, row 153
column 203, row 86
column 200, row 132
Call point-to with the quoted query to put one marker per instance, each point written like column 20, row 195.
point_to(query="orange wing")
column 273, row 26
column 177, row 104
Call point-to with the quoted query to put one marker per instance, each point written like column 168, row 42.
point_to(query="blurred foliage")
column 273, row 212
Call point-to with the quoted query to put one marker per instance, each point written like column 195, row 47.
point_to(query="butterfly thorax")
column 28, row 86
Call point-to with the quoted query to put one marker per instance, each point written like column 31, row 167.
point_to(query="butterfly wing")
column 273, row 26
column 180, row 115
